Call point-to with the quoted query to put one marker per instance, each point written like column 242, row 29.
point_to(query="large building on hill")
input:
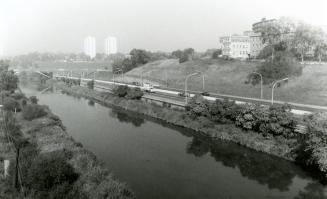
column 236, row 46
column 90, row 47
column 247, row 45
column 257, row 27
column 110, row 45
column 256, row 43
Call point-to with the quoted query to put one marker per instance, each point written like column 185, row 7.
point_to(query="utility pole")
column 272, row 90
column 187, row 77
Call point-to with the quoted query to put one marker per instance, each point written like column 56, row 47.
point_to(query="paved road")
column 172, row 94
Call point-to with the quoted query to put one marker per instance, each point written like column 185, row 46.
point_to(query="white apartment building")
column 90, row 47
column 236, row 46
column 110, row 45
column 256, row 43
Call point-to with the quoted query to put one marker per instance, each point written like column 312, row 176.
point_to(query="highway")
column 172, row 95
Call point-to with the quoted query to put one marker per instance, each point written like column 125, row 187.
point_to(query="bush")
column 10, row 104
column 18, row 96
column 315, row 141
column 34, row 99
column 51, row 176
column 134, row 93
column 33, row 111
column 121, row 91
column 276, row 120
column 224, row 111
column 90, row 84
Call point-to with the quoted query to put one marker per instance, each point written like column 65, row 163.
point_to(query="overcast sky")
column 61, row 25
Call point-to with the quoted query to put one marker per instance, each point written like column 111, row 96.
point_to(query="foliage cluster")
column 183, row 56
column 127, row 92
column 90, row 84
column 315, row 141
column 33, row 111
column 276, row 120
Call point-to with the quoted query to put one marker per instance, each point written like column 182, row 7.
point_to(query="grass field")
column 227, row 77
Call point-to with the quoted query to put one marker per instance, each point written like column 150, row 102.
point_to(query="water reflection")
column 267, row 170
column 127, row 117
column 91, row 103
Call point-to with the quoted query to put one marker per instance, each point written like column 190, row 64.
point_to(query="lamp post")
column 261, row 83
column 187, row 77
column 202, row 79
column 142, row 74
column 272, row 90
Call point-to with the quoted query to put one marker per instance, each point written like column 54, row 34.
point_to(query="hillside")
column 227, row 77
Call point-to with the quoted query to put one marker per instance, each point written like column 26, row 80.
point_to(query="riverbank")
column 279, row 147
column 50, row 136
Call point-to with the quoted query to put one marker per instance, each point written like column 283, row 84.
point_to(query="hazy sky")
column 61, row 25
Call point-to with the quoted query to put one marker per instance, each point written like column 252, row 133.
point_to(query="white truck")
column 147, row 87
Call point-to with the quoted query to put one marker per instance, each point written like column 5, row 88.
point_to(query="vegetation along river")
column 161, row 161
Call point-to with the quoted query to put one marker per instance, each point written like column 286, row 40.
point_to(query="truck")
column 147, row 87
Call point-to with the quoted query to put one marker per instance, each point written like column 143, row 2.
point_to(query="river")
column 162, row 161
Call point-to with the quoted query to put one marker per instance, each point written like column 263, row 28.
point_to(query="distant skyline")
column 165, row 25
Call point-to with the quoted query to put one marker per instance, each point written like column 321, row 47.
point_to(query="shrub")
column 18, row 96
column 33, row 111
column 121, row 91
column 34, row 99
column 224, row 111
column 275, row 120
column 315, row 141
column 51, row 176
column 90, row 84
column 10, row 104
column 134, row 93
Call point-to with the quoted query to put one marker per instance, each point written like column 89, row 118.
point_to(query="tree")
column 320, row 43
column 8, row 81
column 139, row 57
column 283, row 65
column 34, row 99
column 303, row 39
column 276, row 32
column 177, row 54
column 4, row 66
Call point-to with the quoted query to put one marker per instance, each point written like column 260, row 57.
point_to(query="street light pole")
column 202, row 79
column 261, row 84
column 272, row 90
column 193, row 74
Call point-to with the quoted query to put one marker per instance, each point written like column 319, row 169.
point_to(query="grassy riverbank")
column 50, row 137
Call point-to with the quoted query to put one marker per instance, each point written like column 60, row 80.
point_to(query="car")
column 205, row 93
column 136, row 83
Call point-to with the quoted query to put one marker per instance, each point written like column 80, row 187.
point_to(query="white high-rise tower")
column 89, row 47
column 110, row 45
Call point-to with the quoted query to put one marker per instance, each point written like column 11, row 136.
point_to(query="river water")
column 161, row 161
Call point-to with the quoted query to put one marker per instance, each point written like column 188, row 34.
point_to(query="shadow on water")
column 126, row 117
column 265, row 169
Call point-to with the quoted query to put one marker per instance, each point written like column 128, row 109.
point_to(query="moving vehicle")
column 147, row 87
column 183, row 94
column 205, row 93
